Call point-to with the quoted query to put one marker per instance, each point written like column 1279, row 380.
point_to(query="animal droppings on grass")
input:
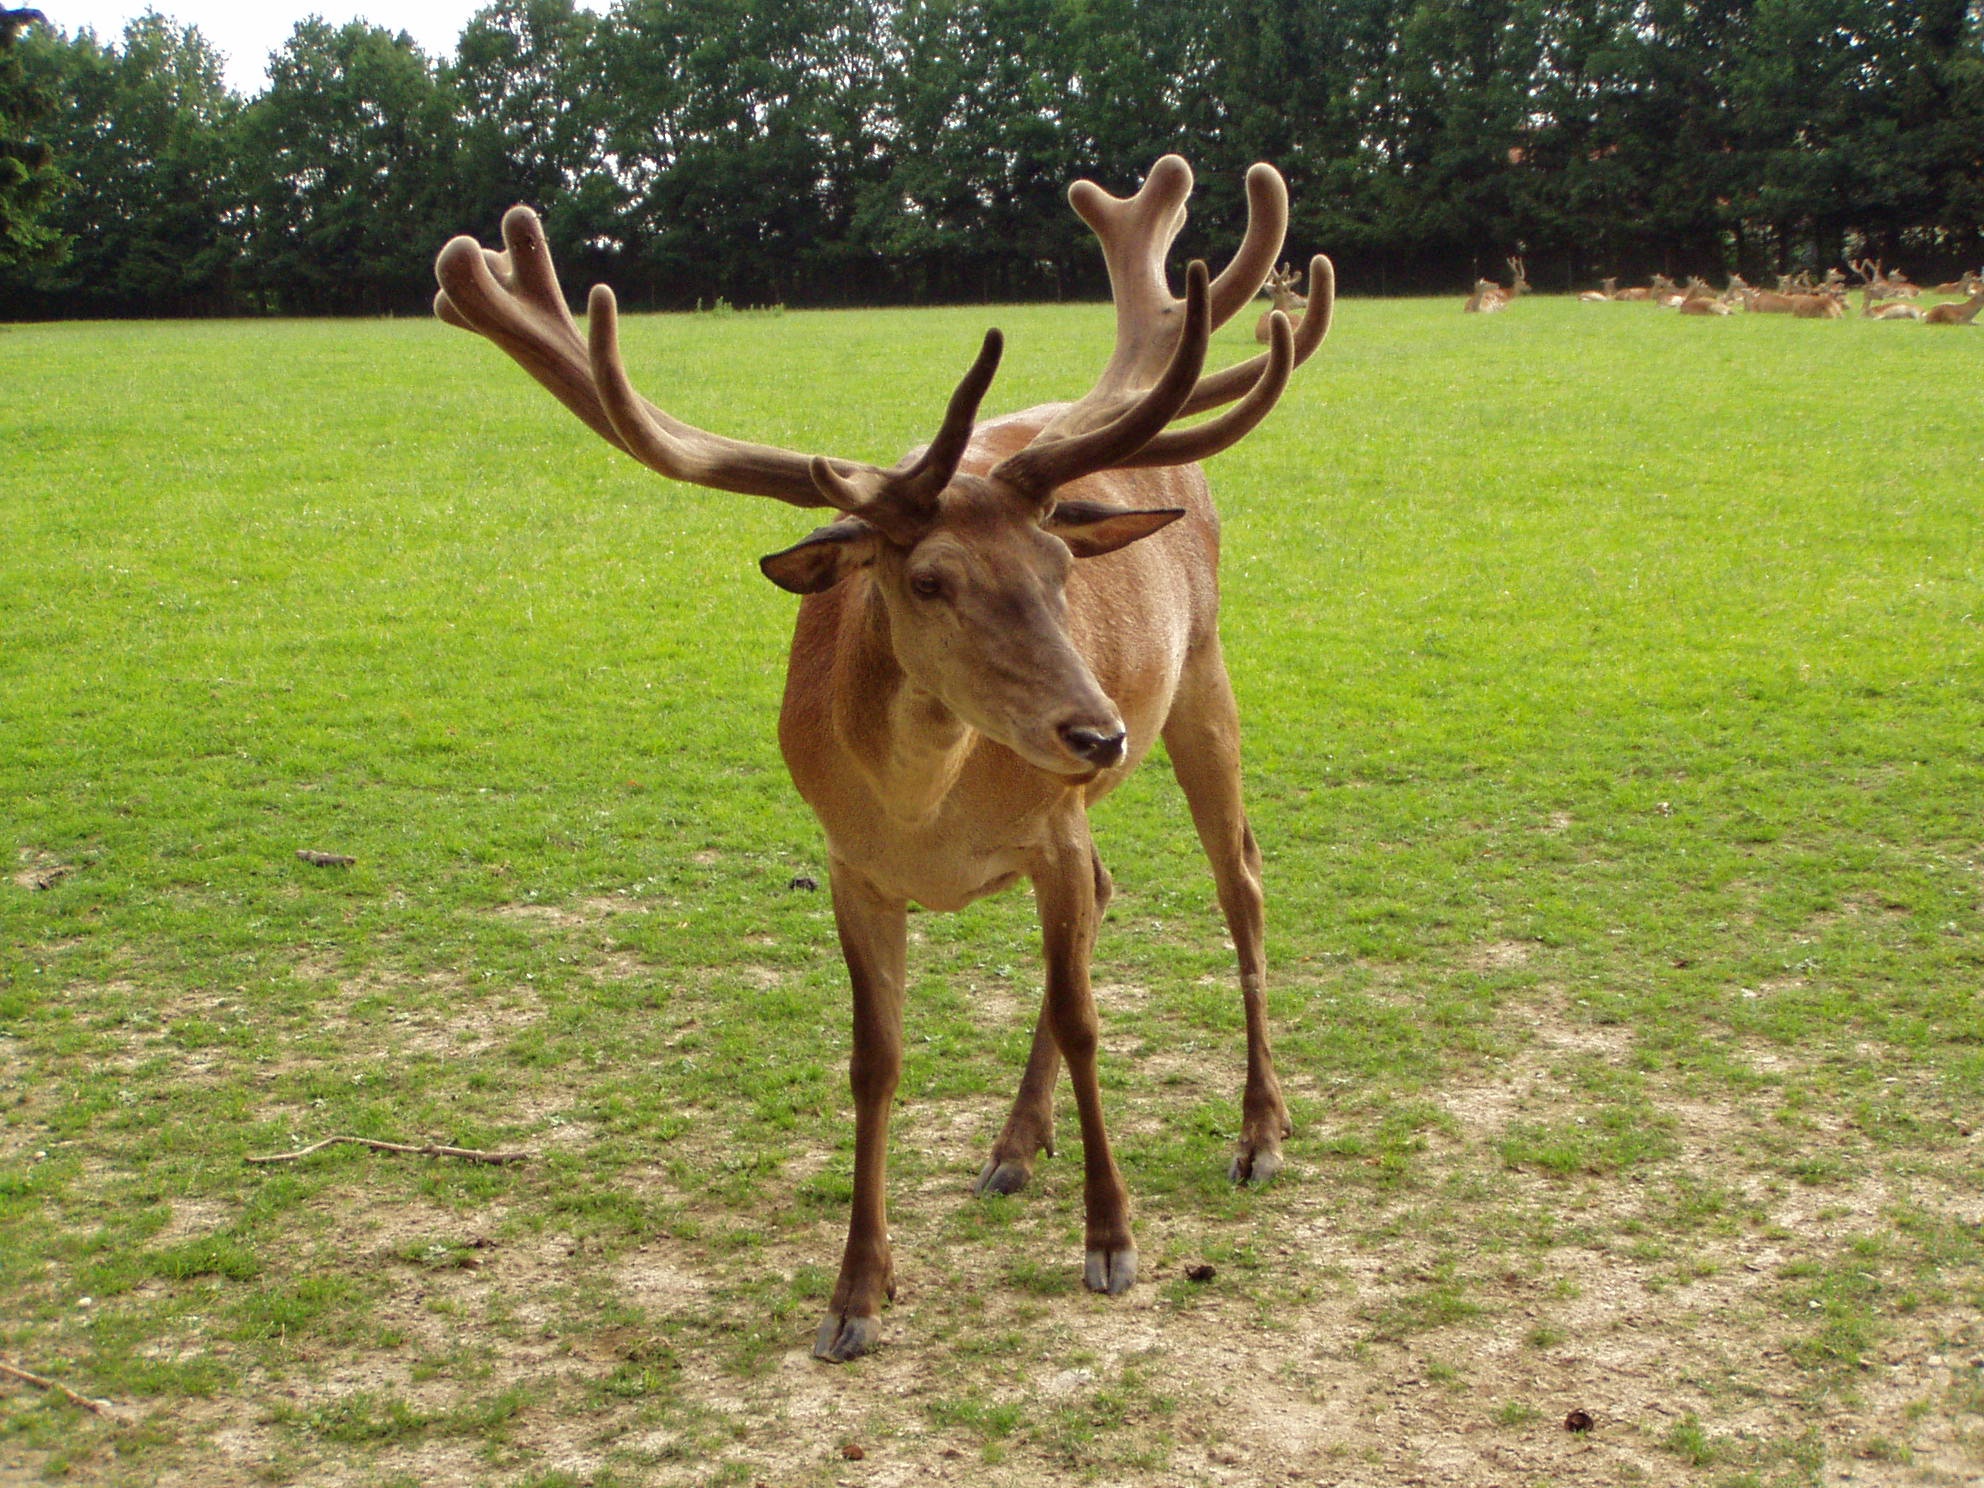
column 43, row 871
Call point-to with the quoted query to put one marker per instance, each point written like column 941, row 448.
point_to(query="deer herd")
column 1883, row 296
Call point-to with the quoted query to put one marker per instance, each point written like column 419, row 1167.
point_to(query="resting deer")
column 994, row 632
column 1818, row 305
column 1701, row 300
column 1661, row 286
column 1489, row 296
column 1280, row 288
column 1601, row 296
column 1873, row 307
column 1956, row 312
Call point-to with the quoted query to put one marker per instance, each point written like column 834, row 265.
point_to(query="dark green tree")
column 744, row 131
column 350, row 178
column 143, row 136
column 1863, row 122
column 29, row 181
column 533, row 126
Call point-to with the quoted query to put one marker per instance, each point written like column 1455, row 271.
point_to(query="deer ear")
column 1091, row 529
column 822, row 558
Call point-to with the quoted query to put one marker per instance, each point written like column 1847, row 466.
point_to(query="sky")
column 246, row 31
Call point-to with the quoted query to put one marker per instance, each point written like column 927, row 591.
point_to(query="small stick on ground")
column 430, row 1149
column 325, row 860
column 43, row 1382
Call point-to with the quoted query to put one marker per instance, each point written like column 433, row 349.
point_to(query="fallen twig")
column 430, row 1149
column 323, row 859
column 43, row 1382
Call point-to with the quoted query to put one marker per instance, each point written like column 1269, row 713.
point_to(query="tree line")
column 875, row 151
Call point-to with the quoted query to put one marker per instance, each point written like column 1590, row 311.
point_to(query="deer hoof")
column 1254, row 1167
column 1007, row 1177
column 1111, row 1272
column 845, row 1336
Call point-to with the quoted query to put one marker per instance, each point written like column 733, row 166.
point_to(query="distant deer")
column 1873, row 307
column 1956, row 312
column 994, row 632
column 1489, row 296
column 1660, row 286
column 1280, row 288
column 1701, row 300
column 1817, row 305
column 1967, row 285
column 1601, row 296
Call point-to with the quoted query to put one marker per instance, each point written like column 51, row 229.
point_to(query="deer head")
column 1280, row 288
column 970, row 566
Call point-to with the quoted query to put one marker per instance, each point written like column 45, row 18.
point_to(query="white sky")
column 246, row 31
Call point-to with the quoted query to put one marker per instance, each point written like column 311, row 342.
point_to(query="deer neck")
column 906, row 740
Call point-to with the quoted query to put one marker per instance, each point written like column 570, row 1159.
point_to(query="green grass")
column 1614, row 732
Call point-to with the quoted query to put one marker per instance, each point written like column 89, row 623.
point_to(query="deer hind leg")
column 1029, row 1129
column 874, row 932
column 1202, row 737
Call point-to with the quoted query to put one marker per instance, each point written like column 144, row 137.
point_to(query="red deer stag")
column 1280, row 288
column 994, row 632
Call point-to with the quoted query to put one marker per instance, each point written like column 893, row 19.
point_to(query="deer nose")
column 1099, row 747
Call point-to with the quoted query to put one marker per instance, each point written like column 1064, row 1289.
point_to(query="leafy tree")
column 532, row 115
column 745, row 131
column 1863, row 117
column 29, row 182
column 349, row 170
column 143, row 138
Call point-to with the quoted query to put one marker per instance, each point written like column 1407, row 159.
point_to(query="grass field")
column 1615, row 736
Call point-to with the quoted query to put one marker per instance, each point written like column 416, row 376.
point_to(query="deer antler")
column 512, row 298
column 1121, row 421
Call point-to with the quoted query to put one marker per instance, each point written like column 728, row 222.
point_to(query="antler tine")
column 1054, row 460
column 681, row 451
column 900, row 501
column 1253, row 261
column 1135, row 233
column 1182, row 446
column 1240, row 379
column 931, row 470
column 513, row 299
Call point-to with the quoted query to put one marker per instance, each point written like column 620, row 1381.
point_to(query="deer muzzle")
column 1101, row 747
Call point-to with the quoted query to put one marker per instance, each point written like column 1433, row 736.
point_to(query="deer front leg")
column 873, row 938
column 1064, row 889
column 1029, row 1129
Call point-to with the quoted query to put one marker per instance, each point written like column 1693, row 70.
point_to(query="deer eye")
column 926, row 586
